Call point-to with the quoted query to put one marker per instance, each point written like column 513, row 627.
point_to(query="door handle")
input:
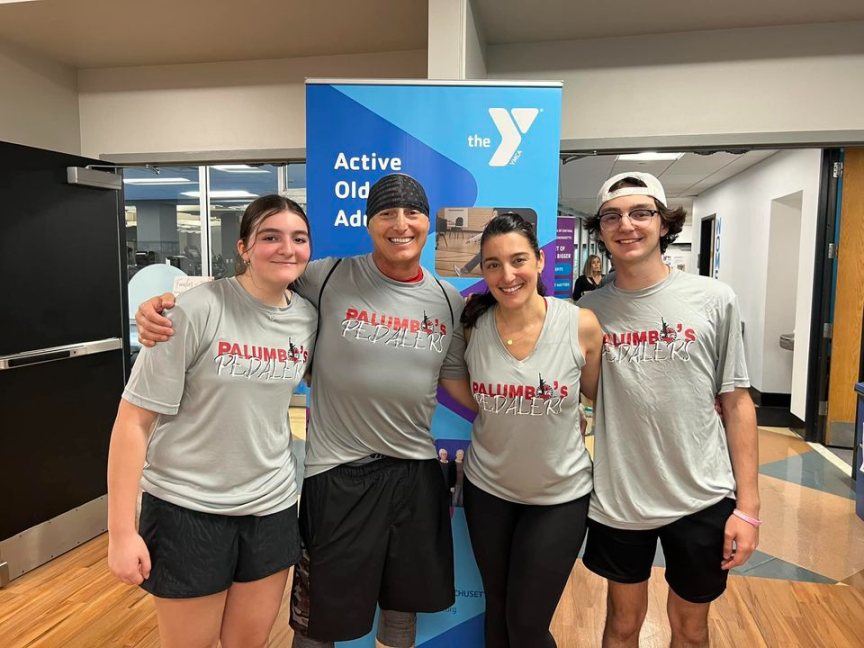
column 52, row 354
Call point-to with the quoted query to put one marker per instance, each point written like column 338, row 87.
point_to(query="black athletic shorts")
column 693, row 547
column 197, row 554
column 374, row 533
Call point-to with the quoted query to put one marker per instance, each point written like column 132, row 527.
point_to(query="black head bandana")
column 394, row 191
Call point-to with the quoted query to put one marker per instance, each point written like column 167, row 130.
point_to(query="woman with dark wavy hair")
column 527, row 473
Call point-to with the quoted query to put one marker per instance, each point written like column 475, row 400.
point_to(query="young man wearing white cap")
column 665, row 466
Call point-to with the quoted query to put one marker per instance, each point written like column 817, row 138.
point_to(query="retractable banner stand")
column 479, row 149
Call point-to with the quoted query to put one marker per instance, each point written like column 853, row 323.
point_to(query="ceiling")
column 518, row 21
column 97, row 33
column 682, row 179
column 102, row 33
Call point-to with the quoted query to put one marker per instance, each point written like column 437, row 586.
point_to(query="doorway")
column 706, row 245
column 781, row 295
column 845, row 355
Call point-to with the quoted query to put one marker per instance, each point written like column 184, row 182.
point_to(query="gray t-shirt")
column 383, row 344
column 526, row 445
column 660, row 447
column 221, row 386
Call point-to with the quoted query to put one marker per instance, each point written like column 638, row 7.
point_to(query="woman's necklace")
column 510, row 339
column 507, row 337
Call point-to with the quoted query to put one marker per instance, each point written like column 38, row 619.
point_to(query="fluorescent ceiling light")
column 650, row 156
column 239, row 168
column 229, row 193
column 157, row 181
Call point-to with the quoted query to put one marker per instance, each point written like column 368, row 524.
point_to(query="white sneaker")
column 458, row 270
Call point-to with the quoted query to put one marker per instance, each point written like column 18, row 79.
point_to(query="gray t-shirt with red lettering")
column 382, row 346
column 526, row 445
column 660, row 446
column 221, row 386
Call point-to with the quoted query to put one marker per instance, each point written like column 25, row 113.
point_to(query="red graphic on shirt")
column 544, row 389
column 544, row 398
column 293, row 353
column 426, row 334
column 395, row 322
column 261, row 362
column 667, row 333
column 650, row 345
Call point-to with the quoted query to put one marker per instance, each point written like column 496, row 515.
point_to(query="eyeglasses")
column 612, row 219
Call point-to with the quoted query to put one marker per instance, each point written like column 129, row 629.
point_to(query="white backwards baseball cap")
column 652, row 188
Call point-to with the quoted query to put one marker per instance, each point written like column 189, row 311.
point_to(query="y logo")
column 512, row 125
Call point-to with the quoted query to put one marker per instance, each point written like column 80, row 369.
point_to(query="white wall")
column 446, row 51
column 475, row 46
column 743, row 206
column 39, row 104
column 702, row 83
column 238, row 105
column 456, row 46
column 719, row 82
column 781, row 291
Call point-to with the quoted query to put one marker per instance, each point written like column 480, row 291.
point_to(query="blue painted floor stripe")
column 811, row 470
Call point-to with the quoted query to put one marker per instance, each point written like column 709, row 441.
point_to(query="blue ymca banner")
column 478, row 148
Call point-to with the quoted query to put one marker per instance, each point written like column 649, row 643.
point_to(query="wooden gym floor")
column 805, row 586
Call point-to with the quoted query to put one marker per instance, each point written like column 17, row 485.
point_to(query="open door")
column 845, row 360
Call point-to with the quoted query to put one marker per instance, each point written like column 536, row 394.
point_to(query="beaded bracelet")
column 747, row 518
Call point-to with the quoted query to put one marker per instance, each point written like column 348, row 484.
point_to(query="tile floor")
column 811, row 532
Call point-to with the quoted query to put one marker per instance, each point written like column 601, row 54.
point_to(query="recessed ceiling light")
column 229, row 193
column 239, row 168
column 156, row 181
column 650, row 156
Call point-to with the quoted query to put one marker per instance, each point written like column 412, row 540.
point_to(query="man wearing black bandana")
column 374, row 511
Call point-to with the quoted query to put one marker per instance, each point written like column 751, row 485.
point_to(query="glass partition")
column 232, row 188
column 164, row 212
column 163, row 218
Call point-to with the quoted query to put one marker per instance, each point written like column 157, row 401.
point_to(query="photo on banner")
column 477, row 148
column 457, row 237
